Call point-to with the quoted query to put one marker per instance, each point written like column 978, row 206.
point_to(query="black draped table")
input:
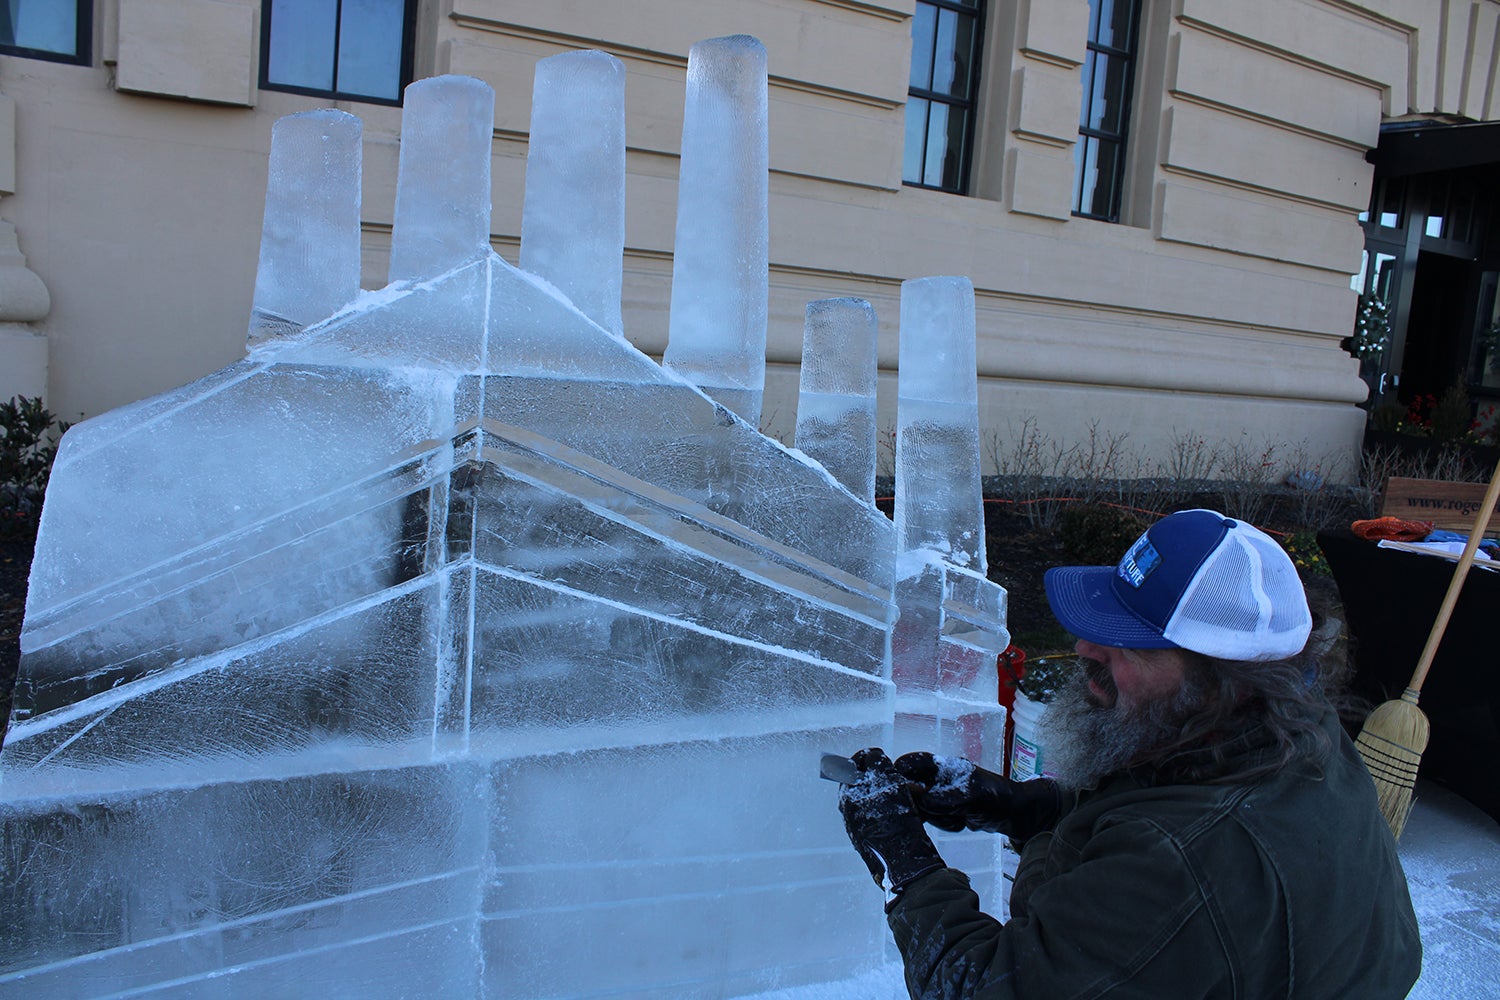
column 1391, row 599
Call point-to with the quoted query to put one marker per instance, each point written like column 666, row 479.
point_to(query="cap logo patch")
column 1140, row 562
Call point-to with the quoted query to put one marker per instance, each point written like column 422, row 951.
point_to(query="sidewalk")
column 1451, row 853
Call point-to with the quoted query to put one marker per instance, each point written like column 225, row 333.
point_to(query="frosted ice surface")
column 720, row 285
column 217, row 456
column 573, row 223
column 309, row 249
column 447, row 627
column 952, row 621
column 442, row 216
column 938, row 496
column 836, row 401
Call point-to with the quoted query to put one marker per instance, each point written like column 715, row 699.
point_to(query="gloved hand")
column 883, row 824
column 954, row 794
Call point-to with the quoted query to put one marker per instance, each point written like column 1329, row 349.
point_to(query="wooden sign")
column 1449, row 505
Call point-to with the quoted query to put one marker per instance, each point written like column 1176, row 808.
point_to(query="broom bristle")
column 1391, row 744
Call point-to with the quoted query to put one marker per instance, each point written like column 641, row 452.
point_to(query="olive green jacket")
column 1285, row 887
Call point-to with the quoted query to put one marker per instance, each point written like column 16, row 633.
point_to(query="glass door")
column 1374, row 341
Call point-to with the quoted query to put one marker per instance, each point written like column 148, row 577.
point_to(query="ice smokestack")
column 939, row 505
column 573, row 222
column 836, row 402
column 952, row 622
column 719, row 280
column 443, row 186
column 309, row 243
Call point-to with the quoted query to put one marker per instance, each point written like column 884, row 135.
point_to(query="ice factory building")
column 447, row 645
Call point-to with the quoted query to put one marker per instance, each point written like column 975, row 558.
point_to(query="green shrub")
column 1388, row 416
column 28, row 443
column 1046, row 675
column 1303, row 547
column 1095, row 534
column 1451, row 417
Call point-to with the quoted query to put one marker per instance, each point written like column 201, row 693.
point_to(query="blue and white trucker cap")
column 1195, row 580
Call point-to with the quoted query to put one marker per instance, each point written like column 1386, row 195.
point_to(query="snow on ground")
column 1451, row 853
column 877, row 984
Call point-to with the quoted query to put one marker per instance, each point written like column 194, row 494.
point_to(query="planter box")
column 1428, row 450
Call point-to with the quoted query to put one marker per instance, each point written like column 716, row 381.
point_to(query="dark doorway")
column 1440, row 325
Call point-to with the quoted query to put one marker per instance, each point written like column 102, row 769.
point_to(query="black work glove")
column 883, row 824
column 955, row 794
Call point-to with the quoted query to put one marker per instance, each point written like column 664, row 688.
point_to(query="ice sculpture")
column 449, row 646
column 836, row 397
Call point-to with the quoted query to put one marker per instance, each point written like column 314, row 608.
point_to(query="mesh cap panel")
column 1244, row 603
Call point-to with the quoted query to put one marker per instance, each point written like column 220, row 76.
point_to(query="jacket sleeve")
column 1126, row 917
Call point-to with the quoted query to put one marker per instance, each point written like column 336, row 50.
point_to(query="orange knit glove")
column 1393, row 528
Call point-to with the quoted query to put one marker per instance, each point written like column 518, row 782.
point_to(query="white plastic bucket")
column 1027, row 759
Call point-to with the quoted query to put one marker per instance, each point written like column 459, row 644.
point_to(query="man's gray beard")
column 1083, row 743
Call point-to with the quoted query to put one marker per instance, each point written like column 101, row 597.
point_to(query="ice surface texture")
column 447, row 630
column 309, row 260
column 573, row 223
column 720, row 284
column 836, row 398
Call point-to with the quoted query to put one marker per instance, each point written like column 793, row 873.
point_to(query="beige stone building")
column 1176, row 255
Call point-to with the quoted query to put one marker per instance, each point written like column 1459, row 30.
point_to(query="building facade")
column 1174, row 257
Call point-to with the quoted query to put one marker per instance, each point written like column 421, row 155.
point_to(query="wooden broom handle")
column 1460, row 573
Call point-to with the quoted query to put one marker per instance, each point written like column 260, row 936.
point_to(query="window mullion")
column 934, row 95
column 955, row 155
column 1100, row 161
column 338, row 25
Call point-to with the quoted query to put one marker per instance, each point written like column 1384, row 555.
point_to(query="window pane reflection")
column 1460, row 212
column 302, row 43
column 41, row 25
column 1385, row 268
column 1112, row 22
column 1103, row 118
column 1487, row 349
column 942, row 84
column 1105, row 110
column 923, row 37
column 953, row 54
column 937, row 145
column 943, row 74
column 916, row 132
column 956, row 153
column 1098, row 173
column 368, row 63
column 355, row 49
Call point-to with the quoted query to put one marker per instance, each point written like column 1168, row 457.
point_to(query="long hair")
column 1274, row 707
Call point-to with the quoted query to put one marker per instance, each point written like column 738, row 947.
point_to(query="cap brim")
column 1083, row 599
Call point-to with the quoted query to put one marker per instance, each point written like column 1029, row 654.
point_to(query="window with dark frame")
column 54, row 30
column 945, row 44
column 1104, row 118
column 357, row 50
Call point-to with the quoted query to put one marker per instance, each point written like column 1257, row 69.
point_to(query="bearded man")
column 1210, row 830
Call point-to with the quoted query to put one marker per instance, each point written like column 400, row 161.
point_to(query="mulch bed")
column 15, row 566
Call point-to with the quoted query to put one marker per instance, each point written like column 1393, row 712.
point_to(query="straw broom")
column 1395, row 734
